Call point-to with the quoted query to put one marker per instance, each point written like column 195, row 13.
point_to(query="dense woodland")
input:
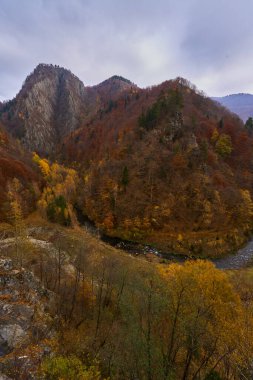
column 181, row 163
column 165, row 166
column 122, row 318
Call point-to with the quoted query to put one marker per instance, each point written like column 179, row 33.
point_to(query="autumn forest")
column 165, row 170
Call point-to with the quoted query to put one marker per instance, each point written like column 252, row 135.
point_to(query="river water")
column 240, row 259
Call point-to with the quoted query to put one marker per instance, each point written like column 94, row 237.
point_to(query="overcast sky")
column 208, row 42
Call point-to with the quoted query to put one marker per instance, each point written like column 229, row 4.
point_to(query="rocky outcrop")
column 50, row 105
column 24, row 319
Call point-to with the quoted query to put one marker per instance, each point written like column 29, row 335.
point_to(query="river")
column 240, row 259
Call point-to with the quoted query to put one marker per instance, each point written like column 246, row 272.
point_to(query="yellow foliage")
column 61, row 182
column 16, row 214
column 86, row 178
column 206, row 310
column 180, row 237
column 66, row 213
column 208, row 214
column 224, row 145
column 36, row 158
column 44, row 167
column 42, row 204
column 246, row 197
column 215, row 136
column 59, row 189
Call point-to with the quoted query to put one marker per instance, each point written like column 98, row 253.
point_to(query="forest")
column 163, row 167
column 112, row 316
column 179, row 161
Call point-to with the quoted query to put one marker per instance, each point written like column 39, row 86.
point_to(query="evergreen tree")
column 249, row 125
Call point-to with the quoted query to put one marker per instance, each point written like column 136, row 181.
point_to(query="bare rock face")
column 51, row 104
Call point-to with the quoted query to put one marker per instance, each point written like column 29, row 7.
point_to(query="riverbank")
column 237, row 259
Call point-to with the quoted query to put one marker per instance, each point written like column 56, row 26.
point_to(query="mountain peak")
column 120, row 78
column 50, row 104
column 116, row 80
column 43, row 70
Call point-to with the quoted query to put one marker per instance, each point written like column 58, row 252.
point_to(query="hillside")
column 165, row 166
column 178, row 160
column 25, row 322
column 241, row 104
column 16, row 163
column 86, row 297
column 111, row 88
column 181, row 164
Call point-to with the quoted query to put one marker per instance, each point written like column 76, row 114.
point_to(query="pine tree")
column 249, row 125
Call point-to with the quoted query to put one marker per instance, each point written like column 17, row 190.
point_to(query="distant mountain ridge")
column 241, row 104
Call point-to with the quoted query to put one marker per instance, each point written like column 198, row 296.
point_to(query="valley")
column 85, row 282
column 126, row 190
column 181, row 162
column 125, row 234
column 243, row 258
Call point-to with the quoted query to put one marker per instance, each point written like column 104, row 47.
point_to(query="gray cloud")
column 147, row 41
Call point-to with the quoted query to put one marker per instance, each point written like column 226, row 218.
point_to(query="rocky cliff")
column 51, row 104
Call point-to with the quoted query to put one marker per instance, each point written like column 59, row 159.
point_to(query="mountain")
column 111, row 88
column 167, row 169
column 163, row 165
column 241, row 104
column 166, row 166
column 52, row 103
column 26, row 318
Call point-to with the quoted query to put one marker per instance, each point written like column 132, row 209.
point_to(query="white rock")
column 12, row 334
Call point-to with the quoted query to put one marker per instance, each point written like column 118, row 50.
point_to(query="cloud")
column 147, row 41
